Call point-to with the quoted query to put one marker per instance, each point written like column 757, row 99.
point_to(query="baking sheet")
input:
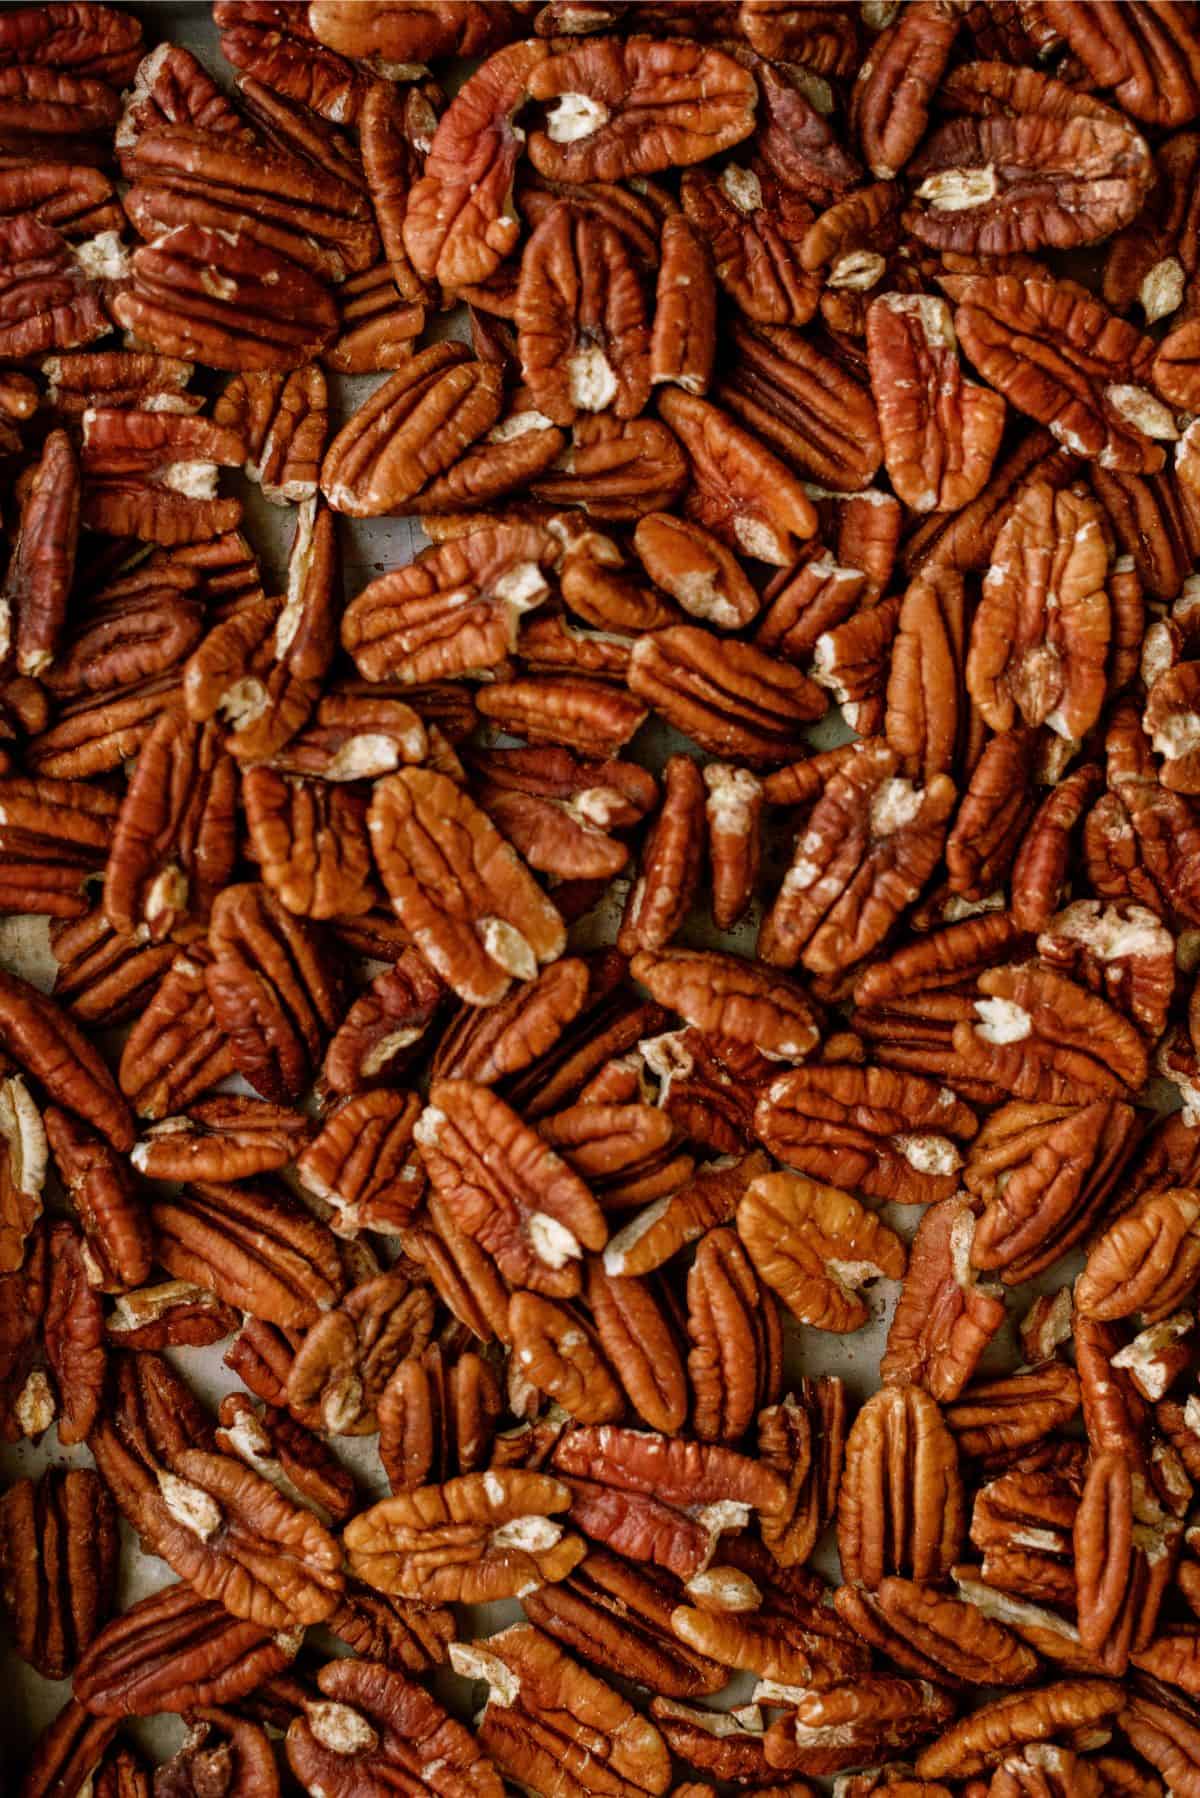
column 368, row 548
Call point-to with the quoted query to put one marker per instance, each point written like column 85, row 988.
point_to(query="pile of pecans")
column 780, row 400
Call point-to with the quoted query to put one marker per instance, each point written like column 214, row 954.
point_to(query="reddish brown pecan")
column 1063, row 358
column 228, row 301
column 1042, row 1038
column 885, row 1133
column 455, row 610
column 283, row 421
column 176, row 1050
column 310, row 841
column 735, row 1359
column 559, row 1356
column 479, row 1537
column 507, row 1189
column 940, row 432
column 739, row 488
column 58, row 1564
column 708, row 1199
column 944, row 1317
column 1039, row 164
column 696, row 570
column 983, row 1738
column 889, row 106
column 871, row 842
column 1122, row 951
column 660, row 899
column 1149, row 57
column 900, row 1509
column 227, row 1532
column 731, row 1001
column 254, row 1246
column 582, row 334
column 468, row 900
column 754, row 225
column 174, row 844
column 176, row 1648
column 934, row 1636
column 815, row 1246
column 49, row 1045
column 436, row 1421
column 803, row 1438
column 1147, row 1260
column 362, row 1162
column 732, row 699
column 372, row 1042
column 1006, row 1414
column 371, row 1727
column 33, row 604
column 623, row 108
column 1045, row 661
column 636, row 1333
column 50, row 303
column 111, row 1211
column 683, row 340
column 873, row 1716
column 1044, row 1172
column 272, row 991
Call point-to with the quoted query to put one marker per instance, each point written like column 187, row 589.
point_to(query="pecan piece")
column 620, row 108
column 49, row 1045
column 339, row 1372
column 803, row 1438
column 730, row 1000
column 507, row 1189
column 558, row 1354
column 115, row 1223
column 708, row 1199
column 696, row 569
column 23, row 1159
column 371, row 1728
column 283, row 420
column 225, row 301
column 218, row 1746
column 847, row 1724
column 889, row 106
column 479, row 1537
column 58, row 1564
column 548, row 1721
column 815, row 1246
column 940, row 432
column 981, row 1740
column 227, row 1137
column 468, row 901
column 900, row 1509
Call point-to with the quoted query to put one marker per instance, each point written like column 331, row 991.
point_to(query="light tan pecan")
column 945, row 1317
column 454, row 610
column 468, row 901
column 620, row 108
column 272, row 989
column 900, row 1508
column 369, row 1726
column 940, row 432
column 816, row 1246
column 254, row 1246
column 481, row 1536
column 227, row 1532
column 232, row 303
column 885, row 1133
column 507, row 1189
column 547, row 1719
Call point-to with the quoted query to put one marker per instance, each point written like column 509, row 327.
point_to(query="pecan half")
column 815, row 1246
column 900, row 1509
column 58, row 1564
